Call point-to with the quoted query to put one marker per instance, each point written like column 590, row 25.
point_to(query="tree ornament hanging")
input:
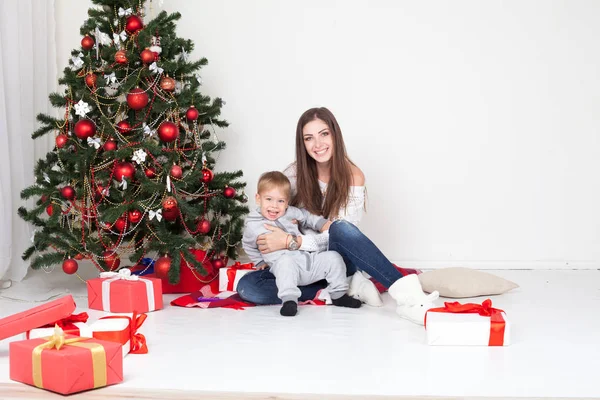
column 110, row 145
column 124, row 170
column 124, row 127
column 217, row 263
column 162, row 267
column 176, row 172
column 111, row 259
column 207, row 175
column 90, row 80
column 137, row 99
column 87, row 43
column 84, row 129
column 192, row 113
column 133, row 24
column 70, row 266
column 121, row 57
column 147, row 56
column 67, row 192
column 49, row 210
column 169, row 203
column 168, row 131
column 203, row 226
column 135, row 216
column 61, row 140
column 150, row 172
column 167, row 84
column 120, row 224
column 229, row 192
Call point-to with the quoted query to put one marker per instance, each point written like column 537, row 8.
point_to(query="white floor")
column 369, row 351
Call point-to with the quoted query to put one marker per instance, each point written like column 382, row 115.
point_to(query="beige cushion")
column 457, row 282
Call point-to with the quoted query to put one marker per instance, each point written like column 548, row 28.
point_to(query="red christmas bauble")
column 111, row 259
column 84, row 129
column 133, row 24
column 90, row 80
column 70, row 266
column 162, row 267
column 167, row 84
column 50, row 210
column 192, row 113
column 207, row 175
column 120, row 224
column 203, row 226
column 121, row 57
column 229, row 192
column 176, row 172
column 150, row 172
column 124, row 169
column 79, row 256
column 137, row 99
column 110, row 145
column 170, row 215
column 67, row 192
column 87, row 43
column 169, row 203
column 147, row 56
column 135, row 216
column 61, row 140
column 99, row 190
column 124, row 127
column 217, row 263
column 168, row 131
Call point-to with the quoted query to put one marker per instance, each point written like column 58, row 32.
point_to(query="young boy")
column 293, row 267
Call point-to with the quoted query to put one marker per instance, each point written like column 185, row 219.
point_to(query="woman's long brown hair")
column 308, row 192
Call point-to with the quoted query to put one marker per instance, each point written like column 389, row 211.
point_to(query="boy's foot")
column 347, row 301
column 289, row 309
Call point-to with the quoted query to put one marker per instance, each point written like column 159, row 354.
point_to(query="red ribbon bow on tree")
column 497, row 323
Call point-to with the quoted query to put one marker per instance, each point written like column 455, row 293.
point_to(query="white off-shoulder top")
column 353, row 212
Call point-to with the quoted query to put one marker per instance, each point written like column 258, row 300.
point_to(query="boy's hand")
column 263, row 266
column 326, row 226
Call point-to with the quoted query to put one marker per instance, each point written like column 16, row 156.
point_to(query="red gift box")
column 66, row 364
column 124, row 293
column 36, row 317
column 190, row 280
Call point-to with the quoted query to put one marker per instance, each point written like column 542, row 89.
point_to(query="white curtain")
column 27, row 76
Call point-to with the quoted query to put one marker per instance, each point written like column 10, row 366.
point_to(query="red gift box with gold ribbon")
column 231, row 275
column 66, row 364
column 468, row 324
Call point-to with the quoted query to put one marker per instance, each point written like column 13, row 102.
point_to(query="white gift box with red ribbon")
column 230, row 276
column 469, row 324
column 122, row 329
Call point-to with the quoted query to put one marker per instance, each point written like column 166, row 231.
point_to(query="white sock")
column 364, row 290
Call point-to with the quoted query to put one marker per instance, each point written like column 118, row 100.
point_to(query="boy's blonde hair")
column 276, row 179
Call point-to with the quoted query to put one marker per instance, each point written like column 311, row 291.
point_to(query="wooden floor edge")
column 14, row 391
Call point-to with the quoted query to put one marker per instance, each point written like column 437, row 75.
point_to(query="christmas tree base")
column 190, row 280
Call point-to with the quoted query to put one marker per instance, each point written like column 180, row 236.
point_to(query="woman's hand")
column 269, row 242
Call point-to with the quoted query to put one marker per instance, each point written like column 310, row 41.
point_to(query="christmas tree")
column 131, row 175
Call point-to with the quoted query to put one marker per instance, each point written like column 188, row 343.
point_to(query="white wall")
column 475, row 123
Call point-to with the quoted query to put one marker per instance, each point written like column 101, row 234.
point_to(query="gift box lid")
column 35, row 317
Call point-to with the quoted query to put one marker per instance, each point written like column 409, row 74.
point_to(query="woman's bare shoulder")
column 358, row 178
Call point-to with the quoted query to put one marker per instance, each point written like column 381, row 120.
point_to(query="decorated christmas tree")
column 131, row 176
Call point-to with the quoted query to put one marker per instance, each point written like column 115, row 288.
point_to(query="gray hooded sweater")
column 254, row 227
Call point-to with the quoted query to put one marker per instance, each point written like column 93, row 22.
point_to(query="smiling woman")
column 324, row 181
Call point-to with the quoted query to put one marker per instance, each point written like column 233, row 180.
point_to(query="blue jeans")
column 357, row 250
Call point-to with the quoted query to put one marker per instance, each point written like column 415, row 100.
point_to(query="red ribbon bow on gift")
column 497, row 323
column 137, row 341
column 71, row 319
column 232, row 270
